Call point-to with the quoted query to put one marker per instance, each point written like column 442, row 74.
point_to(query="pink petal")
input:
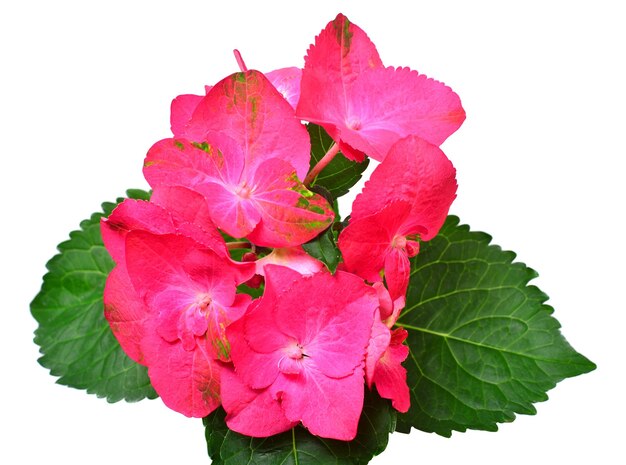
column 349, row 152
column 218, row 320
column 341, row 53
column 379, row 342
column 254, row 330
column 390, row 375
column 178, row 162
column 230, row 212
column 158, row 263
column 187, row 381
column 347, row 309
column 327, row 407
column 287, row 82
column 291, row 257
column 365, row 106
column 397, row 273
column 389, row 104
column 190, row 215
column 125, row 312
column 290, row 213
column 384, row 299
column 366, row 241
column 423, row 176
column 185, row 206
column 181, row 110
column 130, row 215
column 247, row 108
column 189, row 289
column 251, row 412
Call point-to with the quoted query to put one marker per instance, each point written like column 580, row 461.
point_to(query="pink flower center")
column 204, row 302
column 244, row 191
column 410, row 244
column 353, row 123
column 292, row 362
column 294, row 351
column 398, row 242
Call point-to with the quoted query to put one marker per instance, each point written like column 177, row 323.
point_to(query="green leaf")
column 253, row 292
column 73, row 335
column 324, row 248
column 340, row 174
column 483, row 345
column 298, row 446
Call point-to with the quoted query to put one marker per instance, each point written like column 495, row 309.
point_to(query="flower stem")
column 239, row 245
column 320, row 165
column 240, row 62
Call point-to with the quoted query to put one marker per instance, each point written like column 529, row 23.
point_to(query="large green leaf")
column 73, row 335
column 483, row 345
column 298, row 446
column 340, row 174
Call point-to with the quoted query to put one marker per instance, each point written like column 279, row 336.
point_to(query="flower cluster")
column 237, row 175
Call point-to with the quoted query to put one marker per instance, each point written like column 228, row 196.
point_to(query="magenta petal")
column 218, row 319
column 159, row 263
column 133, row 215
column 290, row 213
column 388, row 104
column 347, row 308
column 190, row 289
column 257, row 370
column 349, row 313
column 366, row 241
column 327, row 407
column 390, row 375
column 185, row 206
column 125, row 312
column 423, row 176
column 287, row 82
column 364, row 244
column 234, row 215
column 384, row 300
column 187, row 381
column 341, row 52
column 366, row 107
column 379, row 342
column 247, row 108
column 294, row 258
column 181, row 110
column 190, row 215
column 177, row 162
column 251, row 412
column 397, row 273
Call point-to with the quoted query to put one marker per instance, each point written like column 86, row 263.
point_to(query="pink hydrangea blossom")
column 304, row 352
column 390, row 218
column 299, row 352
column 248, row 154
column 365, row 106
column 172, row 294
column 190, row 294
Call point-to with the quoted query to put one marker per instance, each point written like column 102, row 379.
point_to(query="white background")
column 85, row 90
